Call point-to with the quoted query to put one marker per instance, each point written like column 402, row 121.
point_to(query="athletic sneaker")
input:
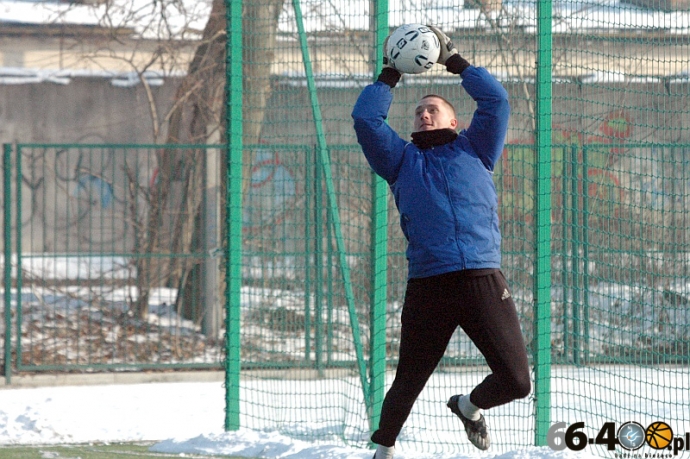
column 477, row 432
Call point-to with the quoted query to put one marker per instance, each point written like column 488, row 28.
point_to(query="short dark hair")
column 443, row 99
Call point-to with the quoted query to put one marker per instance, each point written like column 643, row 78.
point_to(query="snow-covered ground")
column 323, row 418
column 187, row 417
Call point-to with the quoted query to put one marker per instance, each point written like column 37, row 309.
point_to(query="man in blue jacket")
column 443, row 188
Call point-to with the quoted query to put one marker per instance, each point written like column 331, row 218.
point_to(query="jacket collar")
column 437, row 137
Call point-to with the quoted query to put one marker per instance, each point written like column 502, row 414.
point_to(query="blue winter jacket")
column 445, row 194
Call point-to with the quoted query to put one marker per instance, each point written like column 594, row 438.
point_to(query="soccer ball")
column 413, row 48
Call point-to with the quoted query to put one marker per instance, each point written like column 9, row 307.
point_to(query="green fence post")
column 584, row 343
column 20, row 257
column 318, row 267
column 7, row 212
column 568, row 230
column 575, row 256
column 542, row 278
column 233, row 254
column 379, row 253
column 309, row 174
column 330, row 284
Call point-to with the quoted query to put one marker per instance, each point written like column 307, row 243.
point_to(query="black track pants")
column 480, row 303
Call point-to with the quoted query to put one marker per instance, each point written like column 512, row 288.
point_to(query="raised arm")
column 489, row 127
column 382, row 146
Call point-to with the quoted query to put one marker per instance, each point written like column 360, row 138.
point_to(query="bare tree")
column 198, row 116
column 161, row 38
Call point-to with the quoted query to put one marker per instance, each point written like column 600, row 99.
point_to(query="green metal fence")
column 110, row 267
column 78, row 214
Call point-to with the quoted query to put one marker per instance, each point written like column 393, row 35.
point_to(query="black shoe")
column 477, row 432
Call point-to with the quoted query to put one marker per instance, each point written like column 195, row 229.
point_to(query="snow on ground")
column 188, row 417
column 185, row 417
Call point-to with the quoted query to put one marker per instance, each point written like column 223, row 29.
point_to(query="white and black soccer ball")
column 413, row 48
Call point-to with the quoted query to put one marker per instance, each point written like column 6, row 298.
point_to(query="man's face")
column 433, row 113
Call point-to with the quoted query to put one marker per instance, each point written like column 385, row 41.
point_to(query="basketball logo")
column 659, row 435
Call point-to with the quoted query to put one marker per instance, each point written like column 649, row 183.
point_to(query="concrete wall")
column 85, row 110
column 657, row 111
column 92, row 110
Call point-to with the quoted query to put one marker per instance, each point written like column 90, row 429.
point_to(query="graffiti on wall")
column 66, row 195
column 578, row 162
column 272, row 191
column 81, row 197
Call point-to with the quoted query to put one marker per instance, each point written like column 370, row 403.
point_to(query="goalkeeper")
column 443, row 188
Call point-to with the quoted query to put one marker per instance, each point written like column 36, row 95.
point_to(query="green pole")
column 567, row 253
column 325, row 159
column 18, row 250
column 7, row 212
column 318, row 266
column 542, row 278
column 309, row 174
column 379, row 252
column 585, row 256
column 575, row 264
column 233, row 254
